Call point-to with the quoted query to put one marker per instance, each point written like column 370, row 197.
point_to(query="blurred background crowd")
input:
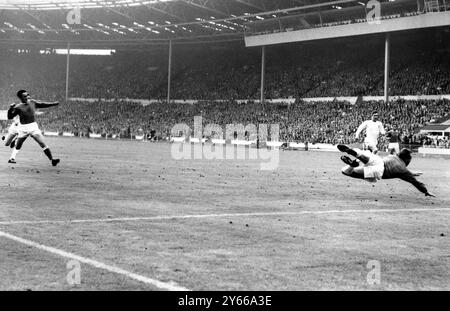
column 231, row 72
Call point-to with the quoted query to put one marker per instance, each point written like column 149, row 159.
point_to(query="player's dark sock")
column 55, row 162
column 3, row 137
column 13, row 144
column 48, row 153
column 347, row 160
column 344, row 148
column 364, row 159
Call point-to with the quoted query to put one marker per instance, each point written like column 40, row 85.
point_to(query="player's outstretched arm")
column 40, row 104
column 409, row 177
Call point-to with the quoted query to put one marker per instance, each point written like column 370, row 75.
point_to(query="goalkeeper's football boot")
column 344, row 148
column 347, row 160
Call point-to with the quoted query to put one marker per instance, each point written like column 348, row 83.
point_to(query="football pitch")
column 123, row 215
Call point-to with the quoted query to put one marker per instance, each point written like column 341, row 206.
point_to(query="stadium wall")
column 268, row 144
column 351, row 99
column 434, row 151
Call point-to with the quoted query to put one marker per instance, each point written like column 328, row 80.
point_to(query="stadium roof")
column 69, row 4
column 124, row 22
column 435, row 127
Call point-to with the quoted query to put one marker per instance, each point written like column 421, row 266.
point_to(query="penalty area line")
column 199, row 216
column 171, row 286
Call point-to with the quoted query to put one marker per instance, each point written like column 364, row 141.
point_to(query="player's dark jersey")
column 25, row 111
column 393, row 136
column 394, row 167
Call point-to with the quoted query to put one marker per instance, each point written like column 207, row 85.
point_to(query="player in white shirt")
column 11, row 137
column 13, row 131
column 374, row 129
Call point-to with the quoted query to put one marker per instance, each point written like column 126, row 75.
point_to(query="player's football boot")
column 344, row 148
column 13, row 161
column 347, row 160
column 3, row 137
column 55, row 162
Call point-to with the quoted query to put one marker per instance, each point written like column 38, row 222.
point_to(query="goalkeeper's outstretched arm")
column 409, row 177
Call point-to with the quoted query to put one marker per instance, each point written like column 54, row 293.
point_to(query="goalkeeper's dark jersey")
column 394, row 167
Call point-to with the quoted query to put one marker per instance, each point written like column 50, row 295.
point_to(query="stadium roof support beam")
column 256, row 14
column 82, row 17
column 67, row 71
column 387, row 44
column 34, row 17
column 169, row 70
column 117, row 12
column 165, row 11
column 249, row 4
column 263, row 72
column 203, row 5
column 301, row 1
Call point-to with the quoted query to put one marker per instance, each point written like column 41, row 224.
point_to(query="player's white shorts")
column 13, row 129
column 374, row 169
column 29, row 129
column 370, row 145
column 395, row 146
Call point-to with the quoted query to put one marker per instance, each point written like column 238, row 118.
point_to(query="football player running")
column 28, row 126
column 374, row 129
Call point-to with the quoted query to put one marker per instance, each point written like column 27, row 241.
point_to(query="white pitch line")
column 36, row 222
column 163, row 285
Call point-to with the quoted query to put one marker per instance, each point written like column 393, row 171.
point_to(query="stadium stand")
column 343, row 68
column 318, row 122
column 230, row 72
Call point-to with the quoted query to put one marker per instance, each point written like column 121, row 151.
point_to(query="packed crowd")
column 419, row 66
column 313, row 122
column 436, row 142
column 43, row 75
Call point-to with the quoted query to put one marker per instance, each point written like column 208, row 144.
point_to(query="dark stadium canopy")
column 119, row 22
